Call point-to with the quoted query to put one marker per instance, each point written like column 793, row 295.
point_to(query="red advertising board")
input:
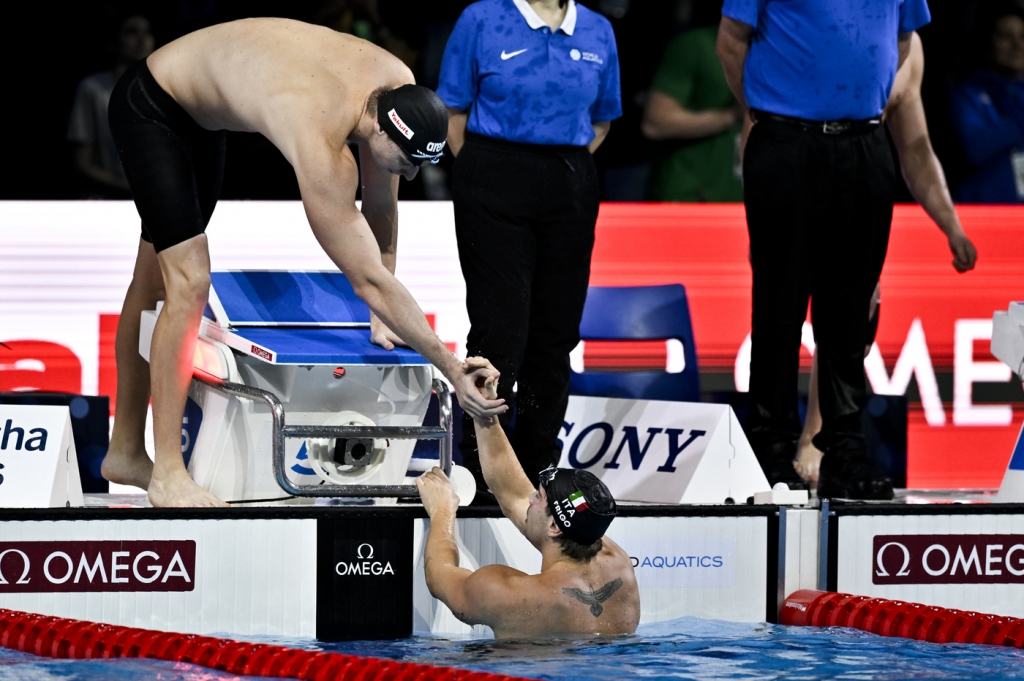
column 64, row 267
column 976, row 405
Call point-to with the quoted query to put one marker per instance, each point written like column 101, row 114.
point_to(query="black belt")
column 844, row 127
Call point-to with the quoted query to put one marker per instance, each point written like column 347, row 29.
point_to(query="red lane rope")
column 81, row 640
column 897, row 618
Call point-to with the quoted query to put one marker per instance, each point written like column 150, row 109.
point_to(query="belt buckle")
column 834, row 127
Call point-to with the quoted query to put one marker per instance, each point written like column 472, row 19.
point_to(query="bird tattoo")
column 594, row 598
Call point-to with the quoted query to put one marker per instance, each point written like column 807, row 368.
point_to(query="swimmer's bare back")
column 599, row 597
column 284, row 79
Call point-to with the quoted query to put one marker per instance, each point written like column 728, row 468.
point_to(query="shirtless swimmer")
column 310, row 91
column 586, row 584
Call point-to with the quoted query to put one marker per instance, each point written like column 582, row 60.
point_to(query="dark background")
column 50, row 47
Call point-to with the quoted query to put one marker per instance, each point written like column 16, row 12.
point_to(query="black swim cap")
column 580, row 503
column 416, row 119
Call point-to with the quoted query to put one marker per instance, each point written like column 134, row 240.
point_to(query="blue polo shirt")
column 523, row 82
column 823, row 60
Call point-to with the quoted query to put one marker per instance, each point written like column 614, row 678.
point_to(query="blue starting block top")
column 340, row 347
column 279, row 298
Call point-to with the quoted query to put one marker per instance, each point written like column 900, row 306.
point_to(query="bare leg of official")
column 126, row 462
column 186, row 272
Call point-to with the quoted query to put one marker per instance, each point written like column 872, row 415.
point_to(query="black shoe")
column 850, row 475
column 777, row 465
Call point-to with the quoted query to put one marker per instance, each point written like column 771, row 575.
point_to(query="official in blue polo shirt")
column 532, row 87
column 819, row 184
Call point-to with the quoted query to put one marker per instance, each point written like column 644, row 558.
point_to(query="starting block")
column 272, row 341
column 1008, row 346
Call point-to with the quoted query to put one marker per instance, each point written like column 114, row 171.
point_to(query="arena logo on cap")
column 400, row 124
column 948, row 559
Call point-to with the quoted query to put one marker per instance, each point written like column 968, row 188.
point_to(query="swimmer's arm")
column 463, row 591
column 921, row 168
column 487, row 596
column 502, row 471
column 327, row 183
column 380, row 208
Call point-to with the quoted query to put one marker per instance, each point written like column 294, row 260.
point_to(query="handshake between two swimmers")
column 586, row 584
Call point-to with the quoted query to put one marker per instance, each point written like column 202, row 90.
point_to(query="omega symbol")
column 903, row 572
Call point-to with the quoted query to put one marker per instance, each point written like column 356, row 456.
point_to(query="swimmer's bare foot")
column 807, row 461
column 178, row 490
column 127, row 469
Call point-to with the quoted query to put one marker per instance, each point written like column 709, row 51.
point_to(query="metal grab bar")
column 280, row 431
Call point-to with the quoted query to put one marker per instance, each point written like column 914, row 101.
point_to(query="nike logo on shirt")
column 508, row 55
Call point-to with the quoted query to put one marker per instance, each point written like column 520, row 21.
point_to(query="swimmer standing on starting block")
column 310, row 91
column 586, row 583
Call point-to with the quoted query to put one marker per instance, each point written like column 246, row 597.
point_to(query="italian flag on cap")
column 578, row 501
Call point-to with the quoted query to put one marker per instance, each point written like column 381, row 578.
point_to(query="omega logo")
column 26, row 564
column 903, row 571
column 365, row 565
column 948, row 559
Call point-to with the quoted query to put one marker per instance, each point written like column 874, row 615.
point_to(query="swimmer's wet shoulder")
column 586, row 585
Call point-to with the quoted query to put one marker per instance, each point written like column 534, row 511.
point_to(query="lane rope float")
column 900, row 619
column 81, row 640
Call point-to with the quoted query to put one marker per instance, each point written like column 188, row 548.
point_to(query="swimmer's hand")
column 485, row 378
column 469, row 386
column 437, row 492
column 381, row 335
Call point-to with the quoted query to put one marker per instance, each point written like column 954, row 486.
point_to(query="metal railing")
column 280, row 431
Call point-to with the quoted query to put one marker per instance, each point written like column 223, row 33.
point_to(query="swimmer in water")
column 586, row 584
column 312, row 92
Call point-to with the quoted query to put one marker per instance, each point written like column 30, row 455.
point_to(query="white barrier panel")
column 663, row 452
column 699, row 566
column 971, row 562
column 193, row 576
column 38, row 462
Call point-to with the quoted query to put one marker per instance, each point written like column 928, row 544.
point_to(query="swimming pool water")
column 687, row 648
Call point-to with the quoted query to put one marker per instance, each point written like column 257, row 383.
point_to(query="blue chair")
column 639, row 313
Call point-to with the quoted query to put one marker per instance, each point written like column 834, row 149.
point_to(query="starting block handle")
column 279, row 432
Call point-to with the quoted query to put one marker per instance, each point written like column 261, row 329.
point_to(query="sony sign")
column 96, row 566
column 948, row 559
column 657, row 451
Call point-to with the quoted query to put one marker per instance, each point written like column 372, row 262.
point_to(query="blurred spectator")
column 94, row 155
column 694, row 120
column 362, row 18
column 988, row 112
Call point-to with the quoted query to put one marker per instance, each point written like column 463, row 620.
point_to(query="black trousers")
column 819, row 208
column 524, row 219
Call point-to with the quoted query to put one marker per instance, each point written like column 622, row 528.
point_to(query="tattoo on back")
column 594, row 598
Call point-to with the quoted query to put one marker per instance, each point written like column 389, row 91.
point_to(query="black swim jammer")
column 174, row 167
